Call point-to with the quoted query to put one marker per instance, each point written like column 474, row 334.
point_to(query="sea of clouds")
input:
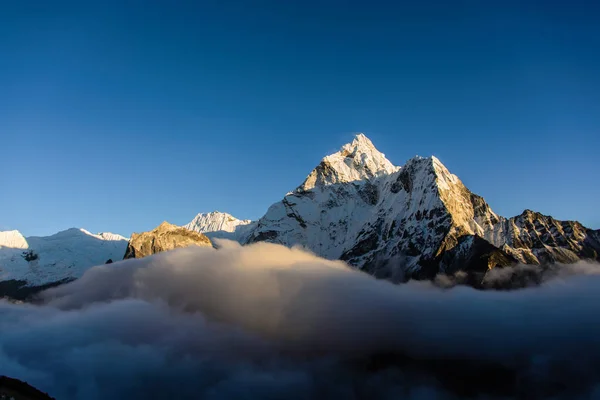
column 268, row 322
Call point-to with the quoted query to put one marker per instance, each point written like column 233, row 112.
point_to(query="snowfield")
column 66, row 254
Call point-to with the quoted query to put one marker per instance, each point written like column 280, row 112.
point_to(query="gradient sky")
column 117, row 115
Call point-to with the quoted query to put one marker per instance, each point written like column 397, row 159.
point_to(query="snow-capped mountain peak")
column 12, row 240
column 219, row 224
column 356, row 161
column 110, row 236
column 215, row 221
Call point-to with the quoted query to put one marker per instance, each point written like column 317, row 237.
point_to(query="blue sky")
column 117, row 115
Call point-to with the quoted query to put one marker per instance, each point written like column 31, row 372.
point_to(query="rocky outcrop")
column 163, row 238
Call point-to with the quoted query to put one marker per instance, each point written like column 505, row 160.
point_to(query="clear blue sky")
column 117, row 115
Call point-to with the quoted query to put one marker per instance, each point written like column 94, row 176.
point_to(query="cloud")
column 521, row 276
column 524, row 275
column 265, row 321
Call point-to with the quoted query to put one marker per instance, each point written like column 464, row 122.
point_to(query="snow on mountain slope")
column 357, row 219
column 399, row 222
column 328, row 210
column 220, row 225
column 356, row 161
column 66, row 254
column 12, row 240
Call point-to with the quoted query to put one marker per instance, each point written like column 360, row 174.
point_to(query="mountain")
column 396, row 223
column 39, row 260
column 220, row 225
column 164, row 237
column 413, row 221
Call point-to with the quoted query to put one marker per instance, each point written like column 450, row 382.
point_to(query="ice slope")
column 64, row 255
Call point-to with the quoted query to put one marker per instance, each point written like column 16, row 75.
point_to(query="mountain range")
column 398, row 223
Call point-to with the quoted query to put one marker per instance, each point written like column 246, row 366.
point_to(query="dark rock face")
column 18, row 390
column 476, row 257
column 163, row 238
column 19, row 290
column 473, row 253
column 369, row 193
column 361, row 248
column 264, row 236
column 290, row 212
column 404, row 181
column 29, row 255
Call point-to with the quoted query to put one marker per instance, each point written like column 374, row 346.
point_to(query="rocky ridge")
column 164, row 237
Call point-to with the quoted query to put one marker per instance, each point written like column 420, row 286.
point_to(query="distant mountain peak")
column 13, row 239
column 358, row 160
column 360, row 141
column 220, row 215
column 219, row 224
column 79, row 232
